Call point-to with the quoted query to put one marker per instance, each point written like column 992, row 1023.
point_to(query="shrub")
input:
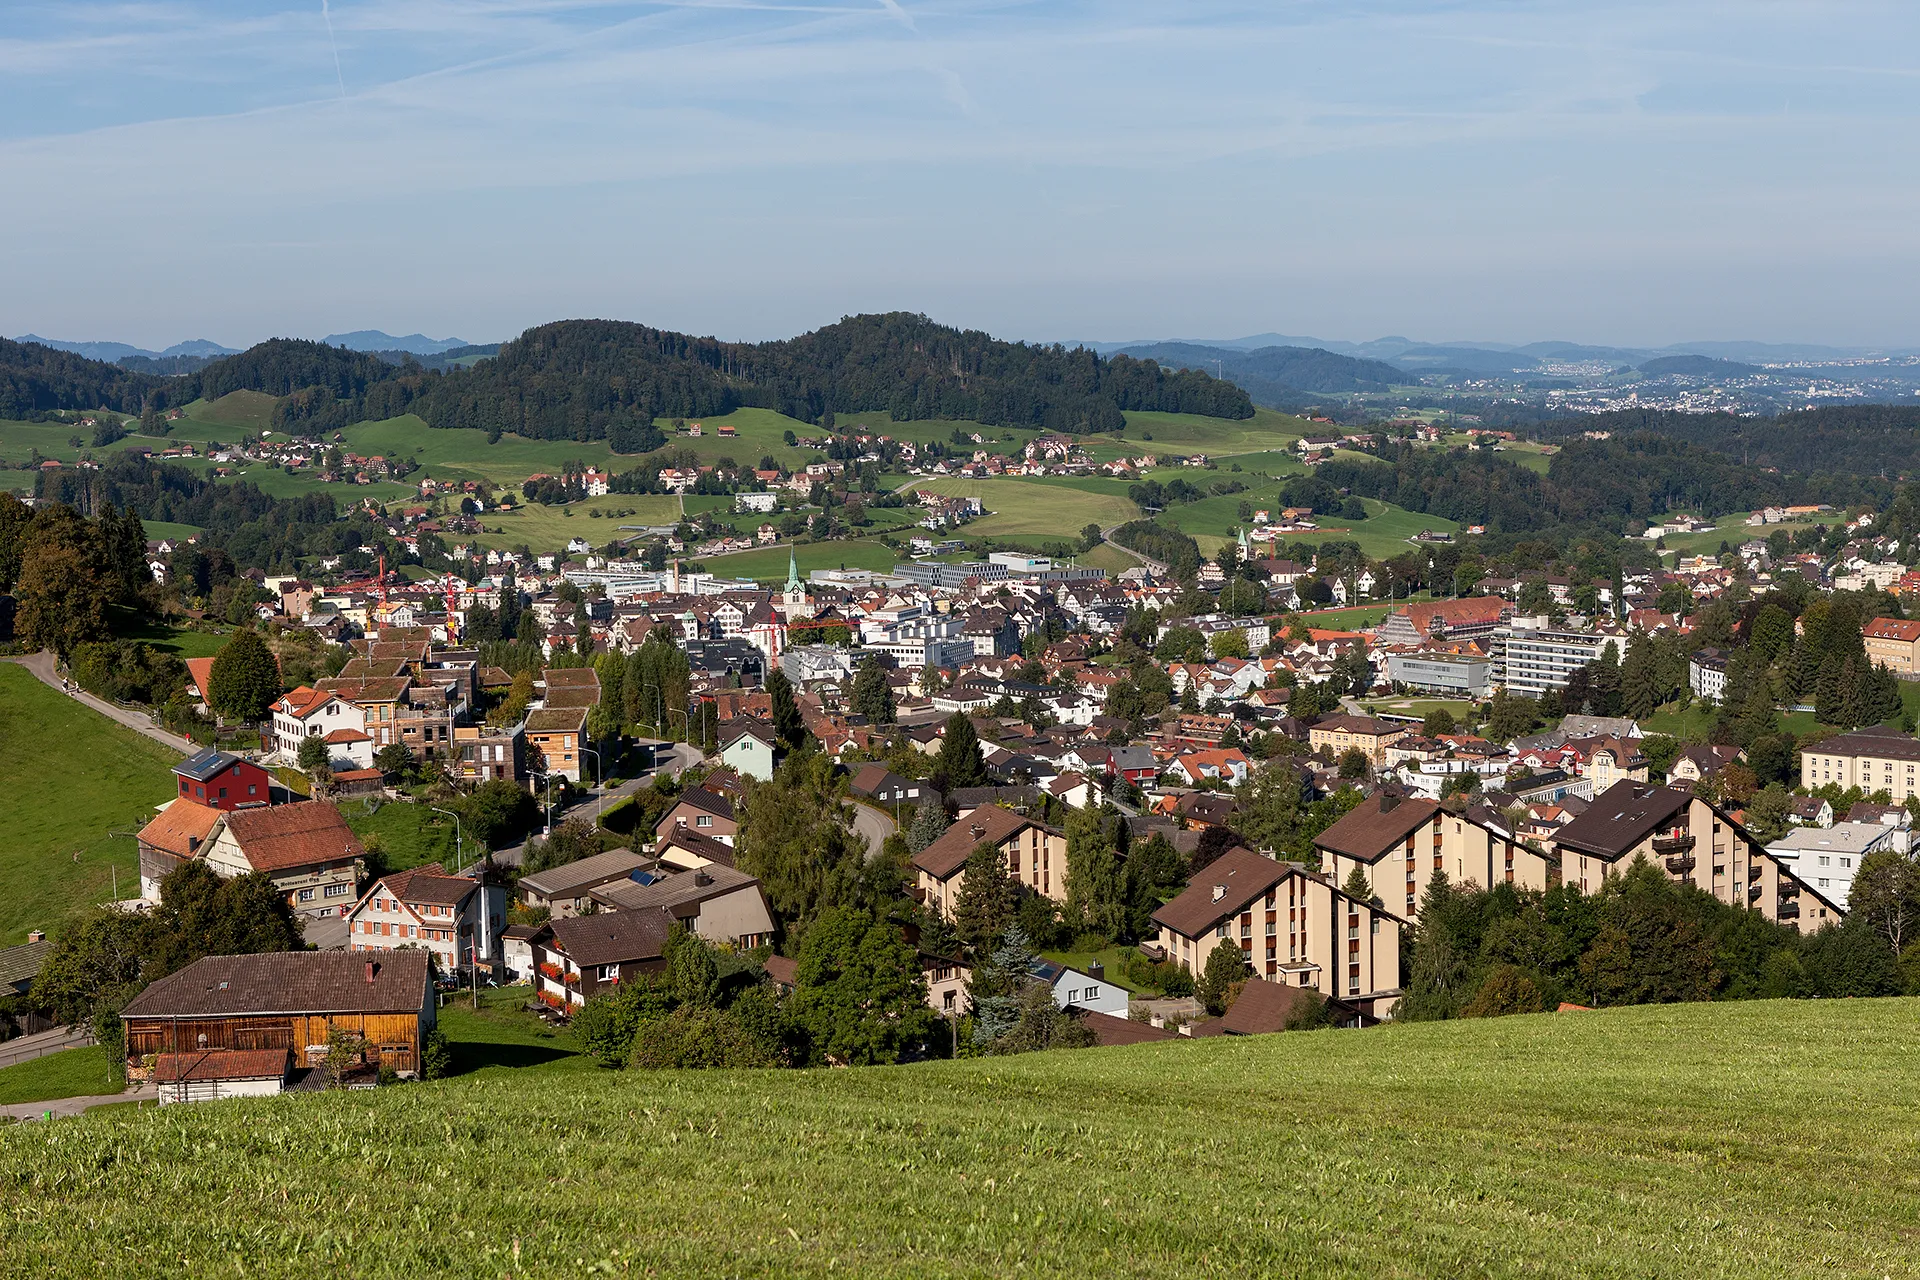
column 1507, row 989
column 692, row 1037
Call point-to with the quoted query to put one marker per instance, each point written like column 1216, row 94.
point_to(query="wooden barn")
column 285, row 1000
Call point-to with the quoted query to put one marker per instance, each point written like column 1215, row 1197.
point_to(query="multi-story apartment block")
column 1893, row 643
column 1533, row 661
column 1399, row 845
column 1877, row 759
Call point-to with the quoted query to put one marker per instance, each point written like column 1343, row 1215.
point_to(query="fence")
column 15, row 1052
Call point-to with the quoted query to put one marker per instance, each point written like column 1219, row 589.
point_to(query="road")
column 143, row 1092
column 1155, row 567
column 874, row 827
column 42, row 1043
column 42, row 665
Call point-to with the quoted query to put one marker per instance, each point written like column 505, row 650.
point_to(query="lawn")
column 1035, row 507
column 158, row 529
column 1734, row 530
column 70, row 1073
column 1353, row 619
column 502, row 1037
column 770, row 563
column 1462, row 711
column 251, row 411
column 544, row 528
column 1187, row 433
column 405, row 833
column 183, row 642
column 78, row 786
column 1382, row 535
column 1553, row 1145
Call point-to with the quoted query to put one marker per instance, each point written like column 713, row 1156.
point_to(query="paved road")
column 40, row 1044
column 874, row 826
column 42, row 666
column 1155, row 567
column 143, row 1092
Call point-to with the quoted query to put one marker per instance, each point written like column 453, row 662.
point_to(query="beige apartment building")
column 1877, row 759
column 1399, row 844
column 1034, row 854
column 1692, row 841
column 1292, row 926
column 1339, row 732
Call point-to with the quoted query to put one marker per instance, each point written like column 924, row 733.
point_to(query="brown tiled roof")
column 293, row 835
column 1372, row 829
column 1109, row 1030
column 574, row 677
column 289, row 982
column 1621, row 817
column 22, row 963
column 178, row 826
column 945, row 856
column 387, row 689
column 1359, row 724
column 200, row 670
column 1879, row 742
column 1262, row 1007
column 698, row 843
column 1243, row 874
column 613, row 937
column 429, row 884
column 782, row 969
column 557, row 720
column 223, row 1064
column 708, row 801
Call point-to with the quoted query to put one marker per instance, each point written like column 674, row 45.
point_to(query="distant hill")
column 418, row 344
column 112, row 351
column 1277, row 376
column 1451, row 359
column 1697, row 367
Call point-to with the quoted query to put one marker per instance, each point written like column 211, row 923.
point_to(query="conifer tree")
column 786, row 712
column 960, row 763
column 929, row 821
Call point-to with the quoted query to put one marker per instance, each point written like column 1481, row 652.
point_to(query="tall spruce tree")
column 786, row 712
column 245, row 678
column 960, row 763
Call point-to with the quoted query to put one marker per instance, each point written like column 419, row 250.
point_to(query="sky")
column 1626, row 173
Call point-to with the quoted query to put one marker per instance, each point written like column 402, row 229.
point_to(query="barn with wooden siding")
column 291, row 1000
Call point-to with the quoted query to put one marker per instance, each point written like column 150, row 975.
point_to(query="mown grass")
column 1034, row 507
column 249, row 410
column 1762, row 1139
column 406, row 834
column 501, row 1037
column 544, row 528
column 72, row 777
column 70, row 1073
column 770, row 563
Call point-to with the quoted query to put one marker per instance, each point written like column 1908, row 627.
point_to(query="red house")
column 222, row 781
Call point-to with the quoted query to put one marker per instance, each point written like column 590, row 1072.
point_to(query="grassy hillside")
column 248, row 410
column 1763, row 1139
column 1036, row 507
column 72, row 776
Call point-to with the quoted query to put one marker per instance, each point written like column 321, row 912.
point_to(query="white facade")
column 759, row 502
column 1073, row 989
column 1826, row 858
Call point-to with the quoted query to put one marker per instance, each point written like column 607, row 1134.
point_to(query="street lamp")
column 589, row 751
column 459, row 848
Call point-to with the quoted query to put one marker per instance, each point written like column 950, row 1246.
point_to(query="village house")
column 217, row 780
column 720, row 903
column 704, row 811
column 1033, row 854
column 455, row 919
column 306, row 849
column 563, row 891
column 1339, row 733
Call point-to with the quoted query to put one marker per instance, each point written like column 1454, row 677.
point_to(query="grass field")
column 770, row 563
column 182, row 642
column 1382, row 535
column 407, row 834
column 1554, row 1145
column 502, row 1039
column 70, row 1073
column 1734, row 530
column 72, row 776
column 1035, row 507
column 1365, row 615
column 1265, row 431
column 549, row 528
column 251, row 411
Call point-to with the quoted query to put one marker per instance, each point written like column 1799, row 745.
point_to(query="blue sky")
column 1634, row 173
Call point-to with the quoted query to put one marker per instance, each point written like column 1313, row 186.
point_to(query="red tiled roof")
column 201, row 671
column 177, row 825
column 293, row 835
column 223, row 1064
column 349, row 735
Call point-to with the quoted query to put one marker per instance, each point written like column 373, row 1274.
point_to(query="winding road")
column 45, row 669
column 1155, row 567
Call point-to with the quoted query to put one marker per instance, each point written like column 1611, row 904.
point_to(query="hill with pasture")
column 1727, row 1140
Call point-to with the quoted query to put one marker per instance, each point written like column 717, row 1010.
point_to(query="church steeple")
column 793, row 573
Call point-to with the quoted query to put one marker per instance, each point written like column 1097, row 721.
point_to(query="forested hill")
column 1279, row 376
column 1861, row 440
column 591, row 379
column 35, row 380
column 577, row 379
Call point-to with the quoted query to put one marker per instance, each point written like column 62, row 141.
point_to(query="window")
column 251, row 788
column 305, row 895
column 703, row 821
column 338, row 890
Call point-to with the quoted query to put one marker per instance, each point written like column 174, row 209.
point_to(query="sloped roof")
column 613, row 937
column 293, row 835
column 1263, row 1007
column 289, row 982
column 614, row 864
column 945, row 856
column 1622, row 816
column 1242, row 874
column 223, row 1064
column 675, row 892
column 1375, row 826
column 387, row 689
column 206, row 763
column 181, row 827
column 22, row 963
column 1111, row 1030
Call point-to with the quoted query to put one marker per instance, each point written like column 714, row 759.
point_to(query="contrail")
column 328, row 15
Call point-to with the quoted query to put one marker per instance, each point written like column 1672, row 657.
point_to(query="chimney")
column 1097, row 971
column 36, row 935
column 976, row 831
column 1219, row 892
column 702, row 877
column 1389, row 802
column 370, row 968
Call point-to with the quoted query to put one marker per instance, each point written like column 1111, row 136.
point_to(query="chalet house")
column 1086, row 989
column 454, row 919
column 1033, row 853
column 1195, row 767
column 201, row 1025
column 719, row 903
column 176, row 835
column 306, row 849
column 747, row 747
column 1692, row 841
column 881, row 785
column 563, row 891
column 222, row 781
column 1338, row 945
column 576, row 958
column 1399, row 845
column 1696, row 763
column 704, row 811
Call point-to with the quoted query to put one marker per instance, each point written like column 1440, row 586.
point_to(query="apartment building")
column 1400, row 844
column 1035, row 855
column 1532, row 661
column 1292, row 926
column 1876, row 759
column 1339, row 733
column 1893, row 643
column 1692, row 841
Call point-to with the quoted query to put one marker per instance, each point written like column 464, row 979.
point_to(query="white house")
column 307, row 713
column 1073, row 989
column 759, row 502
column 746, row 746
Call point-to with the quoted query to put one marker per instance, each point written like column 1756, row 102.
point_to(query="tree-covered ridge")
column 321, row 388
column 1860, row 439
column 36, row 380
column 577, row 379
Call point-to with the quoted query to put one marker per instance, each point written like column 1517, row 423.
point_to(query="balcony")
column 1788, row 889
column 1753, row 891
column 1672, row 844
column 1753, row 871
column 1682, row 865
column 1788, row 911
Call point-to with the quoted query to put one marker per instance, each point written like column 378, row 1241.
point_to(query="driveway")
column 43, row 666
column 53, row 1107
column 874, row 827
